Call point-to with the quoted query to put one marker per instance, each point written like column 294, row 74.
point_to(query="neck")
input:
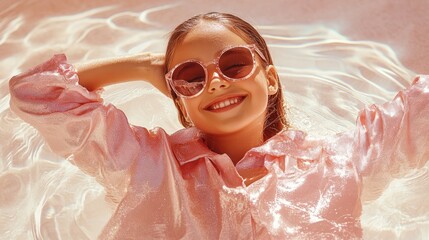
column 236, row 144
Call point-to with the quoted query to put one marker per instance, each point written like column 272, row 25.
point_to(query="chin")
column 226, row 129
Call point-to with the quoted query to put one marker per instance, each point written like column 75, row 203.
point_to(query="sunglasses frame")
column 251, row 47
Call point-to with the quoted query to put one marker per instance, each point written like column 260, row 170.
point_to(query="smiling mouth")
column 226, row 104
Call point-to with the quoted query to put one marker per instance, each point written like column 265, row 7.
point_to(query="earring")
column 272, row 89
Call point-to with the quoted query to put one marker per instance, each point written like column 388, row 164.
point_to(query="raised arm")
column 101, row 72
column 75, row 121
column 394, row 137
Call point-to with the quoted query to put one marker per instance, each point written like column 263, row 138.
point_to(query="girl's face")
column 223, row 107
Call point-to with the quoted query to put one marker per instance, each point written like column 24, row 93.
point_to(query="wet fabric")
column 174, row 186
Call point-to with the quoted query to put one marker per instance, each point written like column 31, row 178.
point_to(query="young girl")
column 236, row 171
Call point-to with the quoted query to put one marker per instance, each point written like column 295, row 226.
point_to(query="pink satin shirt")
column 174, row 187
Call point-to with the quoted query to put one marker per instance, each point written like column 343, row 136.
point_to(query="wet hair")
column 275, row 120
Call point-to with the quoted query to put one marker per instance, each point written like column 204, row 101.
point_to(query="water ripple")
column 326, row 79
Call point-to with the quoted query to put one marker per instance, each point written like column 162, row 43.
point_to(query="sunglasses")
column 189, row 79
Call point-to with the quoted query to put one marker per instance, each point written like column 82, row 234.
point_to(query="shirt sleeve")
column 73, row 120
column 394, row 137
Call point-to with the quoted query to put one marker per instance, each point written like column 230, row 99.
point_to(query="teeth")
column 225, row 103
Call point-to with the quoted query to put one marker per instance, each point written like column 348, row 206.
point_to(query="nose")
column 217, row 82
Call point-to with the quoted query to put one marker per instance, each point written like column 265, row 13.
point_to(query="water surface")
column 332, row 58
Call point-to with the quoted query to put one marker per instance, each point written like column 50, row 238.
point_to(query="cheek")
column 259, row 93
column 259, row 87
column 191, row 107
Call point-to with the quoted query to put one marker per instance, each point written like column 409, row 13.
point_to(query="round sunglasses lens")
column 236, row 63
column 189, row 78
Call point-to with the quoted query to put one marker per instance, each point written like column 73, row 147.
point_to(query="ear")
column 272, row 80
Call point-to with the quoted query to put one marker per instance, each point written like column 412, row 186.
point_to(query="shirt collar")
column 188, row 146
column 283, row 143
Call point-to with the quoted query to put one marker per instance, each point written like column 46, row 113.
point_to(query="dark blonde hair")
column 275, row 120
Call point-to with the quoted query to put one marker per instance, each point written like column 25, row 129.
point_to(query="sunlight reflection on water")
column 327, row 78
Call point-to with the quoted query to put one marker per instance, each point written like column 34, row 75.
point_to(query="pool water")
column 332, row 60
